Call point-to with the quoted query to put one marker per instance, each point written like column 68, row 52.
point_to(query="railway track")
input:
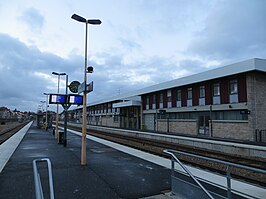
column 6, row 133
column 157, row 147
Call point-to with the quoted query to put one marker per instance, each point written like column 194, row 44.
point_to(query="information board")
column 75, row 99
column 57, row 99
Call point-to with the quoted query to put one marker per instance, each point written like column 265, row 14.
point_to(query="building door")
column 203, row 125
column 97, row 118
column 130, row 117
column 149, row 121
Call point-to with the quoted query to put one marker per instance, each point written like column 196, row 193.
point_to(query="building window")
column 178, row 101
column 216, row 89
column 178, row 95
column 154, row 101
column 161, row 101
column 116, row 118
column 202, row 96
column 202, row 92
column 169, row 99
column 233, row 87
column 104, row 108
column 189, row 97
column 189, row 93
column 229, row 115
column 147, row 102
column 216, row 94
column 233, row 91
column 109, row 107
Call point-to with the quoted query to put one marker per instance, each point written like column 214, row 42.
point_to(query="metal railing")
column 37, row 179
column 229, row 166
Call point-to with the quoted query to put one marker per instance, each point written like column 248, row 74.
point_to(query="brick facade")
column 233, row 97
column 188, row 127
column 256, row 93
column 104, row 120
column 231, row 130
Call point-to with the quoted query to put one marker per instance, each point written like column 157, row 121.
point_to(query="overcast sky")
column 139, row 43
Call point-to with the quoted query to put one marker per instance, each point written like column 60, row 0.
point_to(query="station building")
column 226, row 103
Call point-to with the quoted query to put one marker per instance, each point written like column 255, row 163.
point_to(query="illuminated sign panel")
column 57, row 99
column 75, row 99
column 66, row 99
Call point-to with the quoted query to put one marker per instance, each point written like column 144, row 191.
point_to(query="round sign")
column 73, row 87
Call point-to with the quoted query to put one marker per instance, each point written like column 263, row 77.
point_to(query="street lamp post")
column 84, row 114
column 56, row 128
column 46, row 115
column 65, row 119
column 42, row 103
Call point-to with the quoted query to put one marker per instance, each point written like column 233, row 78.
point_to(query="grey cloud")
column 18, row 64
column 33, row 19
column 23, row 90
column 114, row 76
column 234, row 30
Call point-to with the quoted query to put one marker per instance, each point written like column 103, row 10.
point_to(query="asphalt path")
column 109, row 173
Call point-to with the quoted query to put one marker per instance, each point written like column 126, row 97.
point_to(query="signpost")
column 88, row 87
column 66, row 101
column 81, row 87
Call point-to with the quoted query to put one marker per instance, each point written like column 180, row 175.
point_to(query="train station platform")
column 109, row 173
column 112, row 170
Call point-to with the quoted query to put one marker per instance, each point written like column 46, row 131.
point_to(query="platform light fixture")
column 56, row 128
column 42, row 102
column 46, row 115
column 90, row 69
column 84, row 114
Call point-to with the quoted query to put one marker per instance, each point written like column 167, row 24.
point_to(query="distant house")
column 5, row 113
column 20, row 116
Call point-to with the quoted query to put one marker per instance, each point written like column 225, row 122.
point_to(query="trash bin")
column 60, row 137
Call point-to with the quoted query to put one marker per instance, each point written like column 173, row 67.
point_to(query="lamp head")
column 78, row 18
column 90, row 69
column 94, row 21
column 83, row 20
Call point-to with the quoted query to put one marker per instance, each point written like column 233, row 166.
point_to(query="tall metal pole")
column 46, row 116
column 65, row 122
column 84, row 116
column 211, row 127
column 57, row 107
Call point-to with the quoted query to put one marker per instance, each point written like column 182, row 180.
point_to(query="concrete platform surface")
column 109, row 173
